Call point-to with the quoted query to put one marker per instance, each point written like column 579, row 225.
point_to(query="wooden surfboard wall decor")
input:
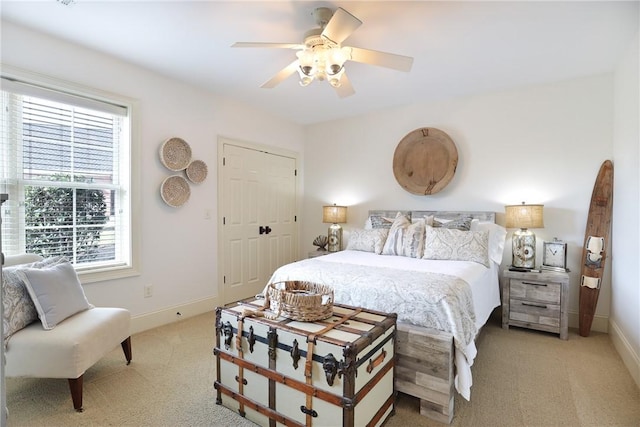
column 596, row 246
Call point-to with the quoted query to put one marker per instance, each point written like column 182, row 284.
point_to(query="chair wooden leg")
column 126, row 347
column 75, row 385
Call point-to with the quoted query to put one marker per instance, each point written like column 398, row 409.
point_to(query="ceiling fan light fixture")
column 335, row 82
column 334, row 69
column 336, row 57
column 336, row 79
column 307, row 61
column 321, row 56
column 305, row 81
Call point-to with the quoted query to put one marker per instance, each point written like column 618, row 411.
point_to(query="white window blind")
column 65, row 165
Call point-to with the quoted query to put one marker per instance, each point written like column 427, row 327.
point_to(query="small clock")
column 554, row 256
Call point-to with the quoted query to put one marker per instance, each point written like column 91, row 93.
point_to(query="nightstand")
column 316, row 253
column 536, row 301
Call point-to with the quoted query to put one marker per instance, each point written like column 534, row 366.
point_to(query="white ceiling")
column 460, row 48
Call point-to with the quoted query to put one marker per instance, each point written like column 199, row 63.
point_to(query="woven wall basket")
column 175, row 154
column 197, row 171
column 304, row 301
column 175, row 191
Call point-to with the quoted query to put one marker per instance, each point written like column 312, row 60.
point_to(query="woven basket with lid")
column 297, row 300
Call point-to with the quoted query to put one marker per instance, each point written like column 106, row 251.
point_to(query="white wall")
column 179, row 247
column 625, row 302
column 539, row 144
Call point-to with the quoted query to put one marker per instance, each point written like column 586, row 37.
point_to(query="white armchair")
column 57, row 347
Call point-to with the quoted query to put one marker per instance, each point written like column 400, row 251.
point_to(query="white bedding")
column 365, row 279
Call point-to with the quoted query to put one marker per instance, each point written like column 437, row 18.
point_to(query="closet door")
column 258, row 218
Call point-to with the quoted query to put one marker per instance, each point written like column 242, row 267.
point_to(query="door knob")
column 264, row 230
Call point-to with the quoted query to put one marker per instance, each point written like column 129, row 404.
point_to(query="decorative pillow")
column 456, row 245
column 379, row 221
column 18, row 308
column 497, row 235
column 428, row 219
column 367, row 240
column 393, row 245
column 56, row 292
column 413, row 239
column 463, row 224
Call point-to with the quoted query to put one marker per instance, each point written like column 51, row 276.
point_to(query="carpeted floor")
column 521, row 378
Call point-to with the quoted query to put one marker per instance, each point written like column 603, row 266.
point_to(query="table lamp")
column 334, row 215
column 523, row 243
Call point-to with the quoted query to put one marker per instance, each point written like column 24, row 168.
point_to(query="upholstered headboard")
column 483, row 216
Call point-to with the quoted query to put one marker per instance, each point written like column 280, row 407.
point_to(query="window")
column 66, row 166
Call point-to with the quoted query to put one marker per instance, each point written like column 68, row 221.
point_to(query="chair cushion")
column 67, row 351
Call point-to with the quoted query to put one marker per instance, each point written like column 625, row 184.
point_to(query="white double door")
column 259, row 230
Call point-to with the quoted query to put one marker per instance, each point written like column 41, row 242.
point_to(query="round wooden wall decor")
column 425, row 161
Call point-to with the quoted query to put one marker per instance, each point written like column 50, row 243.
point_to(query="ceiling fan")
column 322, row 56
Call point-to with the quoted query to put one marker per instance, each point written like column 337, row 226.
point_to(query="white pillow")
column 497, row 235
column 56, row 292
column 393, row 245
column 367, row 240
column 18, row 308
column 456, row 245
column 413, row 239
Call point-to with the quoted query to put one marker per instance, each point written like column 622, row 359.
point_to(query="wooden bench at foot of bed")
column 425, row 369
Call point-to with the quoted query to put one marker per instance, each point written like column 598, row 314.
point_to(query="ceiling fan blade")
column 345, row 89
column 341, row 25
column 383, row 59
column 275, row 45
column 281, row 75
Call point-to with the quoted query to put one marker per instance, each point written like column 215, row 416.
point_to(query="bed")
column 439, row 272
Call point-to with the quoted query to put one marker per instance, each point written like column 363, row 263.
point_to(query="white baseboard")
column 599, row 324
column 173, row 314
column 630, row 358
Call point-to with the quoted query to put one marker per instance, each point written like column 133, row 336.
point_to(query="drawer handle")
column 534, row 284
column 534, row 305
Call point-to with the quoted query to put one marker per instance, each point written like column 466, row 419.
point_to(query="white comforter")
column 452, row 296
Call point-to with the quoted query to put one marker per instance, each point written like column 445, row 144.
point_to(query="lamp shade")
column 524, row 216
column 334, row 214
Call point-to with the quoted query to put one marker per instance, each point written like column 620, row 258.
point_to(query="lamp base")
column 523, row 246
column 335, row 238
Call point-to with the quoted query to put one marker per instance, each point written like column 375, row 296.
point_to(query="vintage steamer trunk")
column 333, row 372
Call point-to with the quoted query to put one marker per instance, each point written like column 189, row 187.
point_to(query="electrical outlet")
column 148, row 290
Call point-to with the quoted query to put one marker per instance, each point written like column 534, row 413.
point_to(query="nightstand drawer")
column 534, row 312
column 537, row 291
